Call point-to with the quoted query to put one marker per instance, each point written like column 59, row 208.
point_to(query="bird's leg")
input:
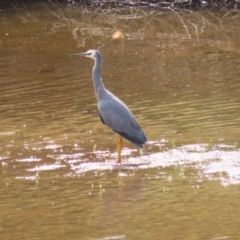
column 119, row 148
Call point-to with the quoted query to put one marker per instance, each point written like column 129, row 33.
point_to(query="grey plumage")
column 116, row 115
column 113, row 112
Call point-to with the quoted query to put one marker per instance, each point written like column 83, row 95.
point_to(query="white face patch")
column 90, row 54
column 93, row 53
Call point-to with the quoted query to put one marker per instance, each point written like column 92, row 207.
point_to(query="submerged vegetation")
column 160, row 4
column 135, row 23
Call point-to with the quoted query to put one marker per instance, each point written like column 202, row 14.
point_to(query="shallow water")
column 177, row 71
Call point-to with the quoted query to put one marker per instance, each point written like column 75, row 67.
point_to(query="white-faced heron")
column 113, row 112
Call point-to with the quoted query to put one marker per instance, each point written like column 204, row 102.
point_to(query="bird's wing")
column 116, row 115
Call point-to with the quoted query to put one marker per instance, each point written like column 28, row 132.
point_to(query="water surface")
column 177, row 71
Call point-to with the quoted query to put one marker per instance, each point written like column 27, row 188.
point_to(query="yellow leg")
column 119, row 148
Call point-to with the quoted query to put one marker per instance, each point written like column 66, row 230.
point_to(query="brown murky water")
column 179, row 74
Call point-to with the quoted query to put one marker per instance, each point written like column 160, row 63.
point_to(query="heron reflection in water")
column 113, row 112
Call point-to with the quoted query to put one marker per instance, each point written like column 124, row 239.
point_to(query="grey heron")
column 113, row 112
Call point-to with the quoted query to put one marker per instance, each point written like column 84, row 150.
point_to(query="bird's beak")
column 80, row 54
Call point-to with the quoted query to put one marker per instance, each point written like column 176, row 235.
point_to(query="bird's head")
column 90, row 54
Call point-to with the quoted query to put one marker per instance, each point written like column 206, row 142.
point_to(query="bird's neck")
column 97, row 80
